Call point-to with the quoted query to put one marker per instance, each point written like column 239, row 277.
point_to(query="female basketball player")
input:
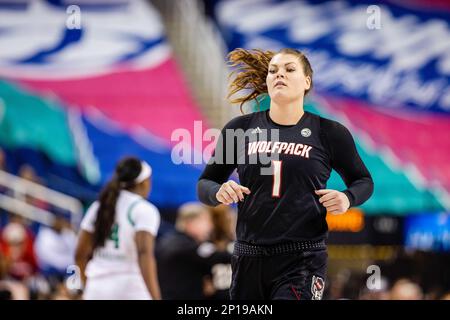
column 284, row 160
column 115, row 246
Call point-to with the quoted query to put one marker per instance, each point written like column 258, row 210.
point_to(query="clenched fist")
column 334, row 201
column 231, row 192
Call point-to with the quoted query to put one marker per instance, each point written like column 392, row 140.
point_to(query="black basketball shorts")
column 291, row 276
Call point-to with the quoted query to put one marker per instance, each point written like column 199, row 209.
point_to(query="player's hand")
column 334, row 201
column 231, row 192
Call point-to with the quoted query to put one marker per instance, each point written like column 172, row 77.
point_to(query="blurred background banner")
column 428, row 232
column 101, row 90
column 382, row 69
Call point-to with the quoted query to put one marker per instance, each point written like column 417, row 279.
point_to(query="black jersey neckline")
column 272, row 123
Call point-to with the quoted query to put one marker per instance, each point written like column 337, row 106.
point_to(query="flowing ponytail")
column 106, row 211
column 250, row 70
column 126, row 171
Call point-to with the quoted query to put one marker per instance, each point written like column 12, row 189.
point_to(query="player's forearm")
column 147, row 265
column 207, row 190
column 155, row 290
column 359, row 191
column 81, row 262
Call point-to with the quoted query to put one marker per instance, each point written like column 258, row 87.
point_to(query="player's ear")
column 307, row 82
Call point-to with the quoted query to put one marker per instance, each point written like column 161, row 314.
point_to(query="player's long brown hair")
column 251, row 68
column 126, row 172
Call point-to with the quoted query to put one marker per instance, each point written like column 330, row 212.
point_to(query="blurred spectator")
column 10, row 289
column 346, row 285
column 5, row 292
column 29, row 236
column 55, row 248
column 61, row 292
column 381, row 293
column 184, row 257
column 434, row 293
column 224, row 224
column 3, row 189
column 405, row 289
column 334, row 289
column 217, row 285
column 2, row 160
column 446, row 296
column 18, row 251
column 27, row 172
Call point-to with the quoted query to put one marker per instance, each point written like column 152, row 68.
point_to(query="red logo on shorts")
column 317, row 287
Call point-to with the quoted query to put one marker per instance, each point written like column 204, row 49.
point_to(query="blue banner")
column 389, row 55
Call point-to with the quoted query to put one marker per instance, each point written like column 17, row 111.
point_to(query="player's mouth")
column 279, row 83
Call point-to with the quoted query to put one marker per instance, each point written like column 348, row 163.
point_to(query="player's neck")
column 287, row 113
column 137, row 191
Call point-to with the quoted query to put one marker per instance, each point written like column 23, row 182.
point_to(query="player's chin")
column 281, row 95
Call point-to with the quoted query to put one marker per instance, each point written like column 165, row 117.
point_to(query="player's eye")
column 272, row 71
column 290, row 69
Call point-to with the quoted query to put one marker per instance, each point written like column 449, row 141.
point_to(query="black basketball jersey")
column 283, row 166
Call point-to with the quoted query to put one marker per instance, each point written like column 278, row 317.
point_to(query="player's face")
column 286, row 80
column 203, row 226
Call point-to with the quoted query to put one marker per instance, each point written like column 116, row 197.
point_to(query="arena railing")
column 15, row 200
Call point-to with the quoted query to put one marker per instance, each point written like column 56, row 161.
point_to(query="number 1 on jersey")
column 276, row 165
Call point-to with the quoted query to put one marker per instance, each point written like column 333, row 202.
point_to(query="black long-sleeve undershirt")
column 347, row 162
column 332, row 147
column 343, row 155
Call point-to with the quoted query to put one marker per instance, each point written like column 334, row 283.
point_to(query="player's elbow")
column 203, row 194
column 200, row 190
column 370, row 185
column 368, row 189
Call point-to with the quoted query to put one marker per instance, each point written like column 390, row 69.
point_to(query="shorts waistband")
column 245, row 249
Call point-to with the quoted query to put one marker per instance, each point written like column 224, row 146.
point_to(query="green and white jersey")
column 119, row 254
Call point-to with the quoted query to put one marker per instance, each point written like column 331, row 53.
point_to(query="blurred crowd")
column 193, row 252
column 33, row 257
column 349, row 285
column 193, row 258
column 193, row 255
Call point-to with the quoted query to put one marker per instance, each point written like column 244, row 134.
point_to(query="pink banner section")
column 156, row 99
column 414, row 137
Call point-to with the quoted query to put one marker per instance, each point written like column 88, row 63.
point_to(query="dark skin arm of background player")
column 145, row 242
column 83, row 253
